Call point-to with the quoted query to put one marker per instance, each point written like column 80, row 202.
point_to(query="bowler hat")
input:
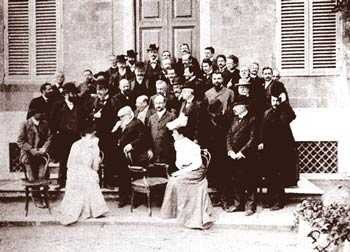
column 152, row 47
column 240, row 100
column 243, row 82
column 131, row 53
column 69, row 87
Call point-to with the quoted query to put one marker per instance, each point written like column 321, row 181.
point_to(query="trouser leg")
column 276, row 190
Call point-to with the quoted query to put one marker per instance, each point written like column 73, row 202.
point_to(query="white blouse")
column 188, row 154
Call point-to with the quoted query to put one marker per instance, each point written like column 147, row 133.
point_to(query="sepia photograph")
column 175, row 125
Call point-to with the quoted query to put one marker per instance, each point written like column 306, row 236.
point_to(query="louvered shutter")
column 293, row 34
column 45, row 37
column 323, row 34
column 18, row 37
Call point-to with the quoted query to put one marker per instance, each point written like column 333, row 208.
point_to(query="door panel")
column 167, row 23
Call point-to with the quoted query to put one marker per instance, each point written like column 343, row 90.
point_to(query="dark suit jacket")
column 279, row 153
column 195, row 115
column 33, row 137
column 108, row 118
column 121, row 100
column 195, row 66
column 231, row 76
column 136, row 134
column 162, row 141
column 39, row 104
column 148, row 114
column 242, row 136
column 153, row 75
column 199, row 86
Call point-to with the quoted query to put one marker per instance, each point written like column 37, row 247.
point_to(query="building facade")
column 304, row 39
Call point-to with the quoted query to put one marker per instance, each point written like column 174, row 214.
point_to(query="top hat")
column 131, row 53
column 243, row 82
column 69, row 87
column 121, row 58
column 152, row 47
column 240, row 100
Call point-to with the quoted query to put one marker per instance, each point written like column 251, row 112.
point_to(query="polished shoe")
column 276, row 207
column 266, row 205
column 249, row 212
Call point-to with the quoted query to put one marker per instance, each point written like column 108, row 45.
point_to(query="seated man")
column 34, row 140
column 132, row 139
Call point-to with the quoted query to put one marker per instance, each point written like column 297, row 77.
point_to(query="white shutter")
column 18, row 37
column 324, row 35
column 293, row 35
column 45, row 37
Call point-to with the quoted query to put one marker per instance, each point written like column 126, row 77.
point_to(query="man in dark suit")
column 141, row 84
column 241, row 143
column 278, row 148
column 125, row 97
column 104, row 117
column 131, row 59
column 191, row 108
column 199, row 86
column 207, row 72
column 57, row 86
column 231, row 73
column 162, row 141
column 187, row 59
column 209, row 53
column 132, row 139
column 42, row 103
column 111, row 73
column 123, row 72
column 66, row 119
column 143, row 111
column 153, row 68
column 173, row 103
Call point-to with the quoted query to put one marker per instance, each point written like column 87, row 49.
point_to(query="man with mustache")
column 220, row 92
column 153, row 68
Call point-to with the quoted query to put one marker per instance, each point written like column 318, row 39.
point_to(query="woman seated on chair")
column 186, row 196
column 83, row 197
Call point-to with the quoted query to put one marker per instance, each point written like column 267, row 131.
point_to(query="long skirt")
column 83, row 197
column 186, row 198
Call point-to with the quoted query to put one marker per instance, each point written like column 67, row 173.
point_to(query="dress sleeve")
column 188, row 157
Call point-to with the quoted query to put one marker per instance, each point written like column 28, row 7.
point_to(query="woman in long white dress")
column 186, row 196
column 83, row 197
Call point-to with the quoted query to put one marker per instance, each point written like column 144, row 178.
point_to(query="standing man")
column 231, row 74
column 125, row 97
column 221, row 63
column 209, row 53
column 187, row 59
column 191, row 80
column 104, row 117
column 143, row 112
column 220, row 92
column 153, row 68
column 42, row 103
column 172, row 104
column 57, row 86
column 131, row 59
column 66, row 118
column 278, row 148
column 141, row 84
column 162, row 142
column 240, row 192
column 207, row 72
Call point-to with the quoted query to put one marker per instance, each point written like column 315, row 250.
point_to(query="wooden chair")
column 142, row 183
column 40, row 186
column 206, row 158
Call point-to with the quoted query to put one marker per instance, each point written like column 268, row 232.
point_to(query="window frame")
column 32, row 78
column 308, row 70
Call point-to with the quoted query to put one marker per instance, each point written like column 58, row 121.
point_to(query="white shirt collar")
column 69, row 104
column 240, row 116
column 36, row 122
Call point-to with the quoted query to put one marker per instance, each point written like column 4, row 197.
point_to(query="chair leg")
column 27, row 201
column 132, row 200
column 149, row 203
column 46, row 198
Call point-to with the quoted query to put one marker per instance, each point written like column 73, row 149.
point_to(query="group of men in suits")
column 232, row 113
